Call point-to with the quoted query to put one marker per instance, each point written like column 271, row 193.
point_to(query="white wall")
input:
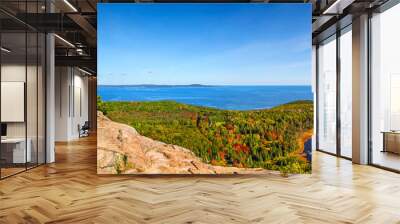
column 80, row 110
column 71, row 102
column 16, row 72
column 62, row 82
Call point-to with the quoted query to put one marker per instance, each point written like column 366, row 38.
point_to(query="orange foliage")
column 241, row 148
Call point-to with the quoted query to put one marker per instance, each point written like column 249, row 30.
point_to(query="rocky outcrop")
column 122, row 150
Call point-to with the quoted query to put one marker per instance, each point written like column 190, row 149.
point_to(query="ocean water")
column 222, row 97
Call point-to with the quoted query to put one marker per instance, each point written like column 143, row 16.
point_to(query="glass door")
column 22, row 77
column 346, row 92
column 327, row 95
column 14, row 153
column 385, row 89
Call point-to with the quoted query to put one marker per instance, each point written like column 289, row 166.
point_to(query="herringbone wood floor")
column 69, row 191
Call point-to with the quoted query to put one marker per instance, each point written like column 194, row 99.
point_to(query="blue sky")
column 215, row 44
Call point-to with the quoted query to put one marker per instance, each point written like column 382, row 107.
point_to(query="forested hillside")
column 259, row 138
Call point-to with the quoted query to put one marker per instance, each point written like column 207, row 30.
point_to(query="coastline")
column 220, row 97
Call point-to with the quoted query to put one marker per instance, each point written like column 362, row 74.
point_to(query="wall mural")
column 204, row 88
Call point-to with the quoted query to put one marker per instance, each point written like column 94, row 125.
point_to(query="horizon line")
column 204, row 84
